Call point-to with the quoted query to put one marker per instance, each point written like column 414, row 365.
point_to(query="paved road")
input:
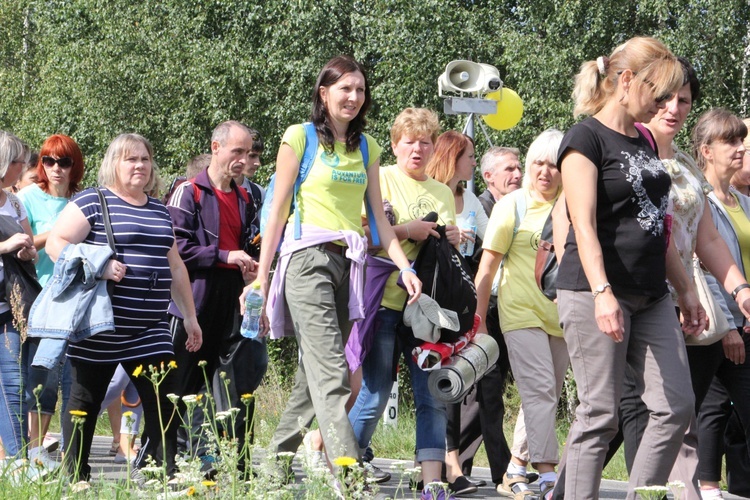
column 103, row 466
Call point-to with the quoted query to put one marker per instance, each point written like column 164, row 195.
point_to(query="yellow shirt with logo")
column 412, row 199
column 331, row 196
column 741, row 226
column 521, row 304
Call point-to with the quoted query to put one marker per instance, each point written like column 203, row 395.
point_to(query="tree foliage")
column 172, row 69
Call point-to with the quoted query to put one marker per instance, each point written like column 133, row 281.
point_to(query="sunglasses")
column 63, row 162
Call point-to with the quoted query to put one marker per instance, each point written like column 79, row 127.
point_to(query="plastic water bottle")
column 251, row 320
column 467, row 247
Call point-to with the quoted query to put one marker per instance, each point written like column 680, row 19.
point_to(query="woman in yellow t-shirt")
column 536, row 349
column 313, row 272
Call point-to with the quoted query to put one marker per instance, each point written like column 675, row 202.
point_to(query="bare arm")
column 71, row 227
column 40, row 240
column 388, row 239
column 694, row 316
column 560, row 227
column 483, row 281
column 579, row 177
column 182, row 295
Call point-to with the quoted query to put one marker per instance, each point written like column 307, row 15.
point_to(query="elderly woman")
column 536, row 349
column 146, row 269
column 314, row 270
column 612, row 295
column 13, row 354
column 720, row 152
column 412, row 138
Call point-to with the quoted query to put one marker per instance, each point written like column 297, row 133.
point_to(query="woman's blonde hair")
column 718, row 124
column 123, row 145
column 649, row 59
column 414, row 123
column 11, row 149
column 448, row 149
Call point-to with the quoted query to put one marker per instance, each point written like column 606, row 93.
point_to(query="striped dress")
column 143, row 236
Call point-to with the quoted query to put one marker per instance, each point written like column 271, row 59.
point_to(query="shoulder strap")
column 110, row 235
column 305, row 164
column 520, row 210
column 364, row 148
column 649, row 137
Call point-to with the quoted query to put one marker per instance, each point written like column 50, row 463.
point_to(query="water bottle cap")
column 256, row 285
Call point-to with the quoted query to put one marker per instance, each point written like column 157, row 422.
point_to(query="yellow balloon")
column 509, row 109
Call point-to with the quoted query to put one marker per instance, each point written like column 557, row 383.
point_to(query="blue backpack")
column 306, row 163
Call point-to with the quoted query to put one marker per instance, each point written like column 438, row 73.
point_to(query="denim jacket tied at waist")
column 73, row 305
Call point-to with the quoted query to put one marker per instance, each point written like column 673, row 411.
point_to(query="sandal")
column 114, row 448
column 546, row 489
column 506, row 487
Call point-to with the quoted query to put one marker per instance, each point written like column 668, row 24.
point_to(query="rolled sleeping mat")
column 461, row 371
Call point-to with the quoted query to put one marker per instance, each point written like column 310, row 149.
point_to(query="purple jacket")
column 196, row 229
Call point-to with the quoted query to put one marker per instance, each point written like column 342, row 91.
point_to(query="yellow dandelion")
column 345, row 461
column 190, row 491
column 137, row 372
column 208, row 484
column 199, row 397
column 78, row 413
column 127, row 414
column 173, row 364
column 246, row 397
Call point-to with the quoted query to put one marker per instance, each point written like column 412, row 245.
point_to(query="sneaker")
column 531, row 477
column 440, row 494
column 138, row 478
column 462, row 486
column 376, row 474
column 123, row 459
column 314, row 458
column 50, row 443
column 39, row 457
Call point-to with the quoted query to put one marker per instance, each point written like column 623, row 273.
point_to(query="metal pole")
column 469, row 131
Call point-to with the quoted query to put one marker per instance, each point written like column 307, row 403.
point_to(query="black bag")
column 20, row 274
column 446, row 278
column 545, row 267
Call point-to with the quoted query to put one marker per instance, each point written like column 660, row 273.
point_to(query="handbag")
column 718, row 326
column 20, row 275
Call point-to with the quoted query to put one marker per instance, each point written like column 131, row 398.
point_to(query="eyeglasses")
column 63, row 162
column 661, row 98
column 658, row 99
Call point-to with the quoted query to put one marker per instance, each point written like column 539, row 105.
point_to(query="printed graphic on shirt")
column 650, row 217
column 423, row 205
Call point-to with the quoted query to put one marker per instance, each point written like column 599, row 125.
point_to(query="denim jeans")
column 49, row 380
column 377, row 380
column 13, row 370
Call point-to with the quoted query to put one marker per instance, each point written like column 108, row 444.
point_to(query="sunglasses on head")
column 63, row 162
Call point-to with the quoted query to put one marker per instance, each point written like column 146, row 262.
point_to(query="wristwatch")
column 600, row 289
column 739, row 289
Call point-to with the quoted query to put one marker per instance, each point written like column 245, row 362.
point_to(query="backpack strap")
column 365, row 150
column 305, row 164
column 520, row 211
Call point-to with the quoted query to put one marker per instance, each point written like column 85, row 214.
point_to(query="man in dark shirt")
column 483, row 410
column 212, row 219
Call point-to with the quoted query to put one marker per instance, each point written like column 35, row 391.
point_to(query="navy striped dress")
column 143, row 236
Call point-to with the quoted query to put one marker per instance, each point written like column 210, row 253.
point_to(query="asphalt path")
column 104, row 468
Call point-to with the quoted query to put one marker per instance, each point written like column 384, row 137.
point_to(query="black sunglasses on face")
column 64, row 162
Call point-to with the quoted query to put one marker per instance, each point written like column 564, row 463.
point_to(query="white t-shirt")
column 12, row 207
column 472, row 204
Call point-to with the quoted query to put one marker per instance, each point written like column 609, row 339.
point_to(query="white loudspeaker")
column 461, row 76
column 468, row 77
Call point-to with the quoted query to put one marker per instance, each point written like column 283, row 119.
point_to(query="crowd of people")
column 637, row 222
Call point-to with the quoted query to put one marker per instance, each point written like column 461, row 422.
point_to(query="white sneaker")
column 314, row 458
column 39, row 458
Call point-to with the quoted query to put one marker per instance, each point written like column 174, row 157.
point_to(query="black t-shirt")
column 631, row 204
